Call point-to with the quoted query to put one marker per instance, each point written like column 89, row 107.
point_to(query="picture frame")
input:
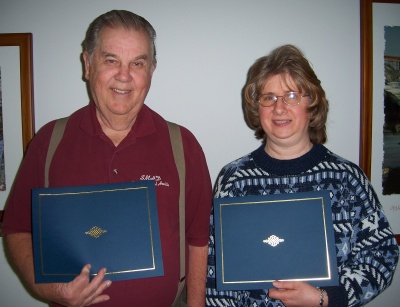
column 24, row 43
column 366, row 86
column 366, row 89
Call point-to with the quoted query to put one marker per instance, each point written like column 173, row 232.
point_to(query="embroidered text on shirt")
column 157, row 179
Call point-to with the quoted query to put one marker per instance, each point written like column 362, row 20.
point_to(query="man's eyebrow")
column 139, row 57
column 106, row 54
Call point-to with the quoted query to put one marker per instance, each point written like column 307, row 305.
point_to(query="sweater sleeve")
column 367, row 252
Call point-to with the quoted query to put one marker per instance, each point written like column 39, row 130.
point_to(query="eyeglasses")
column 290, row 98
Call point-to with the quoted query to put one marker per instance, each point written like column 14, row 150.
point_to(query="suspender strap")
column 179, row 156
column 55, row 139
column 177, row 148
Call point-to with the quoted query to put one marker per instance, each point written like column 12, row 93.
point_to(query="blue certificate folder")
column 260, row 239
column 112, row 225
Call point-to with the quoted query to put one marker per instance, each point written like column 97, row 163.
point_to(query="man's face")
column 119, row 73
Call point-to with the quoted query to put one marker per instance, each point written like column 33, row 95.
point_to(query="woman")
column 286, row 106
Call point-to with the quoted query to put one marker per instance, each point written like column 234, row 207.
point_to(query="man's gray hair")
column 118, row 19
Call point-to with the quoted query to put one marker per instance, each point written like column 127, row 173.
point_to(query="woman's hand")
column 296, row 294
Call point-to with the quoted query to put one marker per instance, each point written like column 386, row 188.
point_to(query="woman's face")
column 286, row 126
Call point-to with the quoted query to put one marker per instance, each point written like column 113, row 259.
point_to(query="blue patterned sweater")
column 367, row 252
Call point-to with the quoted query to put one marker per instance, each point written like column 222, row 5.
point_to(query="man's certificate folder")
column 112, row 225
column 260, row 239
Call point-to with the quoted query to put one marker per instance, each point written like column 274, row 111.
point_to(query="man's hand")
column 79, row 292
column 82, row 292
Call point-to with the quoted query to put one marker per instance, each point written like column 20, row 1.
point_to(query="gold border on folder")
column 270, row 280
column 153, row 267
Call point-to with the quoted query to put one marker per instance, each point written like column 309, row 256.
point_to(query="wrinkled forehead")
column 115, row 38
column 127, row 34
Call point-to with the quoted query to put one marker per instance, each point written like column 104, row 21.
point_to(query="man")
column 117, row 138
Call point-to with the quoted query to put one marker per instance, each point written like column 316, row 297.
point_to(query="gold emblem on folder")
column 95, row 232
column 273, row 240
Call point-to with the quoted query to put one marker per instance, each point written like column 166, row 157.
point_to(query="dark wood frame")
column 367, row 85
column 24, row 42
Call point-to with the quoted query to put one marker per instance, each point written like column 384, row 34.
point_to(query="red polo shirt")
column 86, row 156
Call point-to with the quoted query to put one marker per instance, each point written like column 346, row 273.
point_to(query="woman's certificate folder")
column 112, row 225
column 260, row 239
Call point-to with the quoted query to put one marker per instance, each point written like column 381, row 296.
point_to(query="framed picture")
column 16, row 106
column 377, row 18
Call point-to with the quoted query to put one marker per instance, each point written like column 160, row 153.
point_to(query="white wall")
column 204, row 51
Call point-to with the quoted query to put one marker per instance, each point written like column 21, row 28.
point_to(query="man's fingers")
column 86, row 269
